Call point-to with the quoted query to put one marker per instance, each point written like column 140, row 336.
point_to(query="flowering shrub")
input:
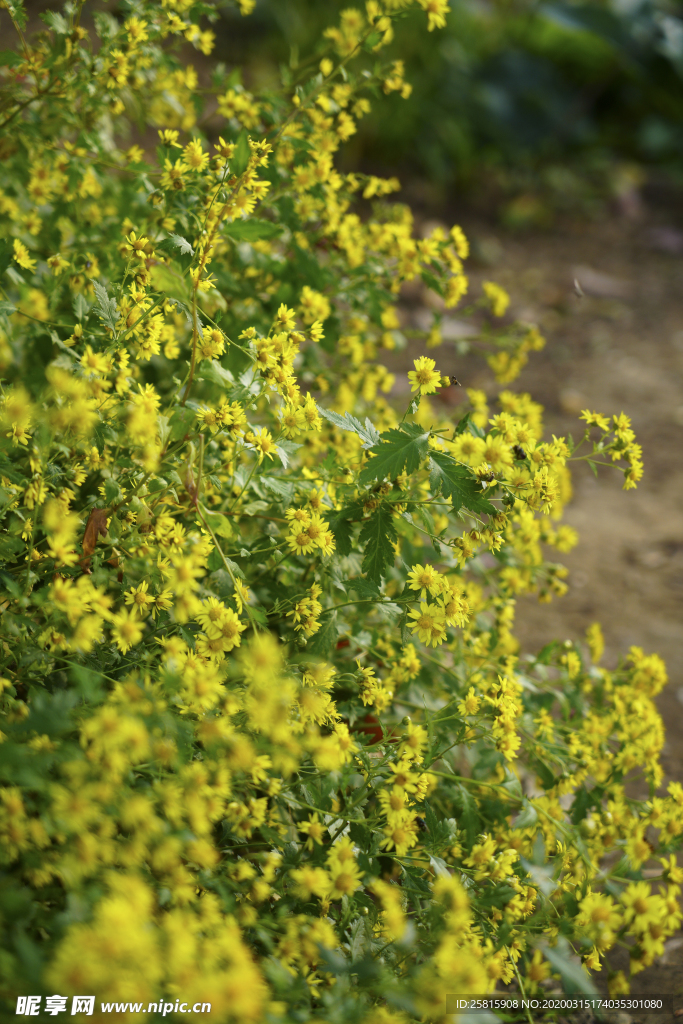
column 268, row 739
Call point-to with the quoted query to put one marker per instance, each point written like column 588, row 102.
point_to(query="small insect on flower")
column 518, row 452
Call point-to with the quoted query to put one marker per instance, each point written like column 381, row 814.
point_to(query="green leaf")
column 462, row 424
column 56, row 21
column 219, row 523
column 252, row 230
column 240, row 158
column 17, row 12
column 322, row 642
column 89, row 683
column 469, row 818
column 378, row 535
column 373, row 40
column 9, row 59
column 112, row 491
column 162, row 421
column 528, row 816
column 341, row 523
column 432, row 282
column 180, row 423
column 169, row 246
column 367, row 432
column 182, row 244
column 80, row 306
column 543, row 771
column 457, row 483
column 108, row 310
column 6, row 253
column 439, row 867
column 7, row 308
column 574, row 976
column 214, row 561
column 364, row 588
column 402, row 449
column 285, row 450
column 217, row 374
column 279, row 487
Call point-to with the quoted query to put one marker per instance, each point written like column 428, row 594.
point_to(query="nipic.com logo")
column 30, row 1006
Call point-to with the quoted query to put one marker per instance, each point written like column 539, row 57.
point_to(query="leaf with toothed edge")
column 457, row 483
column 367, row 431
column 401, row 449
column 379, row 536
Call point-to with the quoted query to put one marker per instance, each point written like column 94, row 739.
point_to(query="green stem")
column 246, row 484
column 226, row 563
column 195, row 336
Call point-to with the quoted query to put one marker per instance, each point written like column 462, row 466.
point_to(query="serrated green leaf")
column 182, row 244
column 279, row 487
column 401, row 450
column 322, row 642
column 9, row 59
column 364, row 588
column 56, row 21
column 367, row 431
column 378, row 535
column 285, row 451
column 108, row 310
column 340, row 522
column 457, row 483
column 80, row 306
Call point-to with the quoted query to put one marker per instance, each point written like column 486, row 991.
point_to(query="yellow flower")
column 58, row 263
column 127, row 630
column 263, row 442
column 400, row 837
column 497, row 296
column 424, row 378
column 425, row 578
column 436, row 13
column 314, row 829
column 595, row 419
column 430, row 623
column 22, row 257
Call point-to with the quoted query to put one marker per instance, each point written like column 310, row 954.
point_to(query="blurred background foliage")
column 530, row 107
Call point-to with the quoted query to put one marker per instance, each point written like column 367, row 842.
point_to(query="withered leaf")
column 94, row 528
